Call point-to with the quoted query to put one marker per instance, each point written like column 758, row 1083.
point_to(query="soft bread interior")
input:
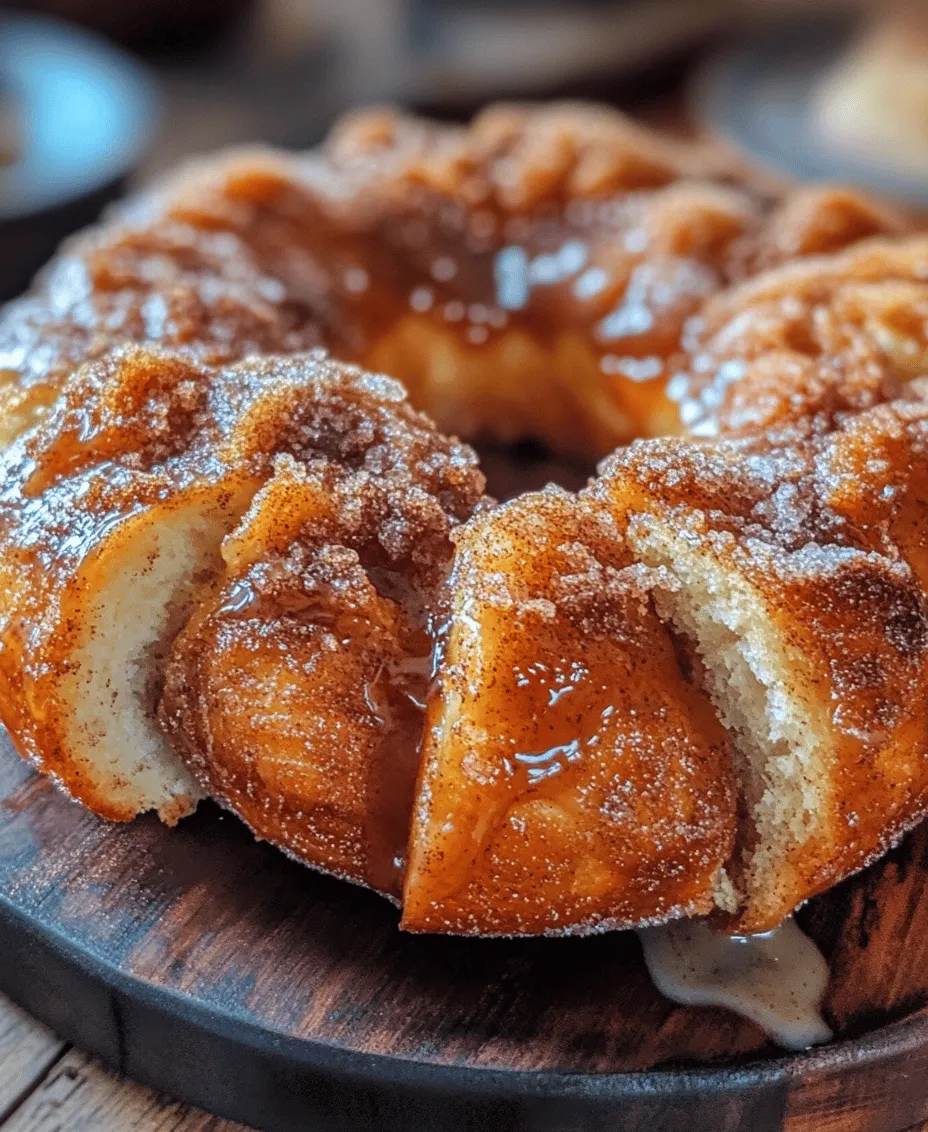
column 781, row 761
column 140, row 585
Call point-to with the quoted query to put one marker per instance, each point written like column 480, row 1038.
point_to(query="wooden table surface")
column 46, row 1085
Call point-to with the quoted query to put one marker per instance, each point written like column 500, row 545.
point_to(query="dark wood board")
column 212, row 967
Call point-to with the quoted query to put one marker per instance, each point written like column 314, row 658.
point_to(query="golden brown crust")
column 63, row 522
column 296, row 691
column 836, row 561
column 561, row 245
column 573, row 779
column 142, row 442
column 800, row 345
column 534, row 273
column 816, row 220
column 517, row 156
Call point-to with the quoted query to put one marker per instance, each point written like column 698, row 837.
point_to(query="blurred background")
column 98, row 94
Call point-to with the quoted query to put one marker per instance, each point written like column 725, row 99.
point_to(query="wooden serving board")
column 207, row 964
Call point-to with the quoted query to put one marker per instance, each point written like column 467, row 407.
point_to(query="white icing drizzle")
column 777, row 979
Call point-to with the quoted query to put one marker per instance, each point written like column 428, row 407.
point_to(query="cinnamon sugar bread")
column 237, row 568
column 814, row 646
column 295, row 692
column 573, row 777
column 113, row 522
column 562, row 246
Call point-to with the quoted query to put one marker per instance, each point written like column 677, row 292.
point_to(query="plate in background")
column 79, row 115
column 758, row 96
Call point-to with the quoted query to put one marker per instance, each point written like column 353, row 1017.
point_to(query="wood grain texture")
column 78, row 1096
column 27, row 1050
column 165, row 944
column 46, row 1086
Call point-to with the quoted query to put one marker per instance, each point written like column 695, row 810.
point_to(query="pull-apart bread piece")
column 805, row 345
column 574, row 779
column 106, row 519
column 528, row 274
column 813, row 634
column 112, row 523
column 795, row 555
column 296, row 692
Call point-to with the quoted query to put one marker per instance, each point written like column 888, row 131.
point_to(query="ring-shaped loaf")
column 234, row 567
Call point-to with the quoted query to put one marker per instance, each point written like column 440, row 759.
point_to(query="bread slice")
column 295, row 692
column 82, row 679
column 814, row 651
column 573, row 778
column 107, row 525
column 102, row 541
column 113, row 517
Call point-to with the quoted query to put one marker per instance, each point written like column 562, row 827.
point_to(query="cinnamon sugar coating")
column 113, row 517
column 296, row 691
column 562, row 246
column 229, row 559
column 799, row 569
column 573, row 778
column 815, row 220
column 799, row 346
column 791, row 533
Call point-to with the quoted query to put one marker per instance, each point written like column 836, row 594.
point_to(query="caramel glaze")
column 296, row 692
column 809, row 525
column 531, row 273
column 573, row 779
column 561, row 246
column 144, row 438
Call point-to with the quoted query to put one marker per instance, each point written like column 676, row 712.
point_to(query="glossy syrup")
column 584, row 298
